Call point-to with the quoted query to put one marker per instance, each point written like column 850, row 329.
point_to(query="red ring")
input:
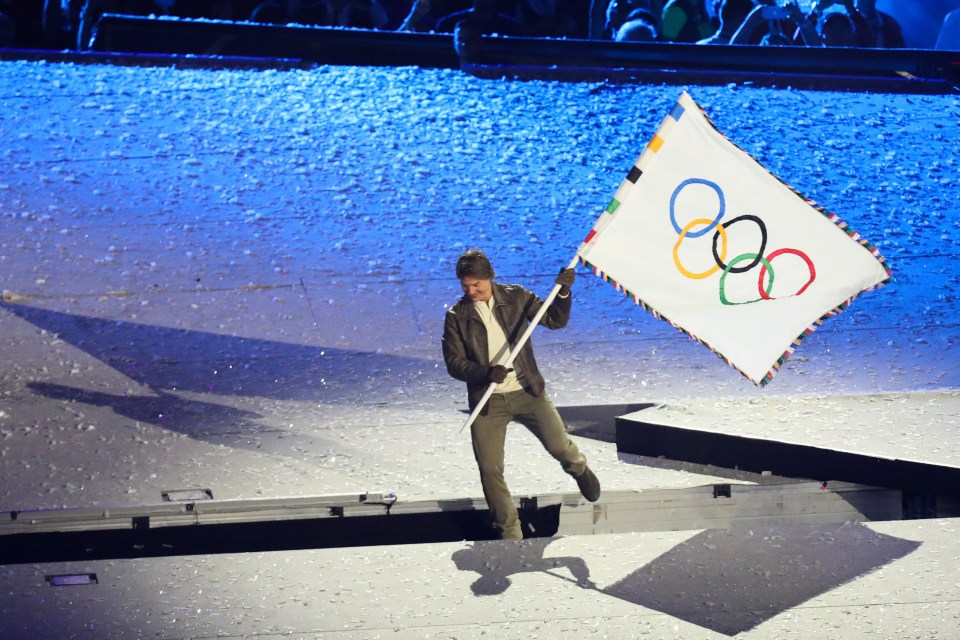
column 796, row 252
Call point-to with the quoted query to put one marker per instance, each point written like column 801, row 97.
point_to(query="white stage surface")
column 235, row 281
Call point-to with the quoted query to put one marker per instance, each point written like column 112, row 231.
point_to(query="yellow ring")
column 683, row 234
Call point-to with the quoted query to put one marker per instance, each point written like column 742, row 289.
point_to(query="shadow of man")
column 497, row 560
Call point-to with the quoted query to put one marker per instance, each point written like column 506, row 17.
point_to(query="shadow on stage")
column 175, row 363
column 725, row 580
column 164, row 358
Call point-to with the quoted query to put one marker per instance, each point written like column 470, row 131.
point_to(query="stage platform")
column 856, row 581
column 229, row 285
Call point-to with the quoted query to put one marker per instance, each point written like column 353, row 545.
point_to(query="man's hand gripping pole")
column 516, row 350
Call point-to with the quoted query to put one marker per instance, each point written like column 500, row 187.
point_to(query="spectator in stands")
column 639, row 27
column 836, row 28
column 949, row 37
column 771, row 24
column 872, row 28
column 885, row 29
column 686, row 21
column 731, row 14
column 618, row 13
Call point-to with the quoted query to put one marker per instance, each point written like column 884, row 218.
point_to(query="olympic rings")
column 711, row 224
column 764, row 287
column 723, row 254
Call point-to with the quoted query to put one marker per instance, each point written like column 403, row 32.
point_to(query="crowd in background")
column 70, row 24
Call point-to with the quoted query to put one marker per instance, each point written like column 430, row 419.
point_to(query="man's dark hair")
column 474, row 264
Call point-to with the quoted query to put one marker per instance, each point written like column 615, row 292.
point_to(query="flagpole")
column 516, row 350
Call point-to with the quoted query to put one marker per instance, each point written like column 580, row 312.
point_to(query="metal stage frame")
column 232, row 526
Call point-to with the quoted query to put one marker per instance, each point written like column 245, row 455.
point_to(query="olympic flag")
column 704, row 237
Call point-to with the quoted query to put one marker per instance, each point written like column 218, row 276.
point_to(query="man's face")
column 478, row 290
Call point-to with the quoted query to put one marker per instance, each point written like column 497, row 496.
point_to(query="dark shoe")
column 589, row 485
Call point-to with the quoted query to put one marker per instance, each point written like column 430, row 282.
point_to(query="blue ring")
column 673, row 202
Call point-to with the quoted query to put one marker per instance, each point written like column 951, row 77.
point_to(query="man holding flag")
column 700, row 234
column 480, row 331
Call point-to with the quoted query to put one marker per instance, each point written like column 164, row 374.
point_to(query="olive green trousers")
column 489, row 434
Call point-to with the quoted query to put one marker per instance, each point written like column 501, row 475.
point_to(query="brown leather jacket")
column 465, row 337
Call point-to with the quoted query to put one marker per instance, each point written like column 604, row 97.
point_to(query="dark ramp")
column 644, row 436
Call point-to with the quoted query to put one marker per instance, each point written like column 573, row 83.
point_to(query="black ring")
column 763, row 244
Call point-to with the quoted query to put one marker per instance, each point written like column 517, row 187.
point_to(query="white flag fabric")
column 704, row 237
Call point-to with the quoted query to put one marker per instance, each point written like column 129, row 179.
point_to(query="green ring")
column 730, row 265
